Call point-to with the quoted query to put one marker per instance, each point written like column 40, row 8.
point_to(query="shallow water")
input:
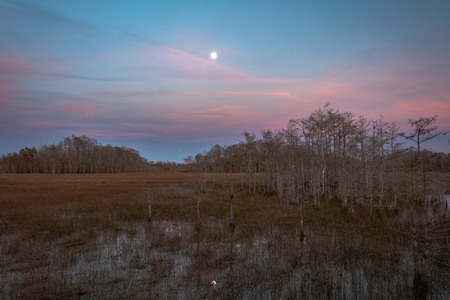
column 169, row 258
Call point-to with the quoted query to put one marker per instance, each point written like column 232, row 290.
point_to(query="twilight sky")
column 139, row 73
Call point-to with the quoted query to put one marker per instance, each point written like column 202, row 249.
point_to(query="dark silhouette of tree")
column 75, row 154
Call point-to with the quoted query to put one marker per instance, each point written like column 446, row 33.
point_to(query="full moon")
column 213, row 55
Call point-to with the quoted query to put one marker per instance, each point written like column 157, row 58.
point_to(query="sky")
column 139, row 73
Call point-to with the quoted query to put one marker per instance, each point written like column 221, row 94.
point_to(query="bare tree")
column 423, row 130
column 250, row 153
column 425, row 227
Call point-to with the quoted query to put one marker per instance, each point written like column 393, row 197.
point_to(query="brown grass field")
column 88, row 236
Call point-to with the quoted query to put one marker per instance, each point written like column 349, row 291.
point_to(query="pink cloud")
column 6, row 93
column 394, row 88
column 277, row 94
column 183, row 53
column 163, row 93
column 176, row 63
column 14, row 65
column 224, row 110
column 39, row 124
column 79, row 109
column 182, row 123
column 179, row 64
column 422, row 108
column 141, row 93
column 10, row 67
column 156, row 129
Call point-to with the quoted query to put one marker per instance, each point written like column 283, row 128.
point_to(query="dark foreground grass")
column 88, row 236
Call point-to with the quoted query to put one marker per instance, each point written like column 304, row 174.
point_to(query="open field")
column 88, row 236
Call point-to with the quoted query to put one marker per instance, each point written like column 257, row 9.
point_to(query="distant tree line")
column 331, row 154
column 76, row 154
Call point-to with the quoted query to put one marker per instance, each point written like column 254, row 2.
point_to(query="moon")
column 213, row 55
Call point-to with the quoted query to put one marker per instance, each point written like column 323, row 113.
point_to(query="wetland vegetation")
column 88, row 236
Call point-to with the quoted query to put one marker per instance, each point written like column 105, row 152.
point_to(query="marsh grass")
column 88, row 236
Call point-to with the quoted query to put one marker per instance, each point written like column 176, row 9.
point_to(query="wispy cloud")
column 164, row 92
column 83, row 77
column 30, row 11
column 141, row 93
column 78, row 109
column 276, row 94
column 219, row 71
column 224, row 110
column 6, row 93
column 36, row 124
column 184, row 53
column 40, row 124
column 10, row 68
column 14, row 65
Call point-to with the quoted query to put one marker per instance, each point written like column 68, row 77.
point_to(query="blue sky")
column 139, row 73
